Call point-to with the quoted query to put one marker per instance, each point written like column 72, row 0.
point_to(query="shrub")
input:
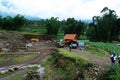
column 112, row 73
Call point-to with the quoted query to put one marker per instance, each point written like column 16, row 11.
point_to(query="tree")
column 117, row 30
column 109, row 19
column 105, row 27
column 1, row 22
column 73, row 26
column 52, row 26
column 9, row 23
column 18, row 21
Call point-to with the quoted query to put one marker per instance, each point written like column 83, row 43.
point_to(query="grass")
column 112, row 73
column 17, row 77
column 2, row 59
column 95, row 51
column 106, row 46
column 36, row 30
column 23, row 58
column 71, row 55
column 18, row 58
column 32, row 33
column 33, row 68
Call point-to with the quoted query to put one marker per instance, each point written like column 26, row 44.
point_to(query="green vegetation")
column 2, row 59
column 16, row 58
column 66, row 53
column 29, row 32
column 106, row 27
column 52, row 26
column 112, row 73
column 95, row 51
column 72, row 26
column 60, row 36
column 33, row 68
column 83, row 37
column 12, row 23
column 33, row 27
column 64, row 65
column 6, row 74
column 106, row 46
column 17, row 77
column 23, row 58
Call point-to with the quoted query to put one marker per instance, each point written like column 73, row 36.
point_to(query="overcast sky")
column 79, row 9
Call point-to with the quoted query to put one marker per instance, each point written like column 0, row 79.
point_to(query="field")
column 106, row 46
column 63, row 62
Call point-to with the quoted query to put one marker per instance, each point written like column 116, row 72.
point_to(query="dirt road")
column 102, row 61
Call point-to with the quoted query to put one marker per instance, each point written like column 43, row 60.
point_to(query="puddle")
column 41, row 71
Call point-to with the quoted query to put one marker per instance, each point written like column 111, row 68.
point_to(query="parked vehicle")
column 59, row 44
column 74, row 44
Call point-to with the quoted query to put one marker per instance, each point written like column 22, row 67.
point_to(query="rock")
column 3, row 71
column 94, row 71
column 5, row 50
column 33, row 75
column 11, row 70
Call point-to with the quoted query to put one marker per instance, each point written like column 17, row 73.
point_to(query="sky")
column 78, row 9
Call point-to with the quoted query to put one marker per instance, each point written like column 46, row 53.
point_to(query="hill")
column 10, row 40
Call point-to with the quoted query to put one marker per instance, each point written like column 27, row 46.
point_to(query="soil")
column 41, row 48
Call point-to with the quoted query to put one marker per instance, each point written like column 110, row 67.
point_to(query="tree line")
column 12, row 23
column 106, row 27
column 103, row 28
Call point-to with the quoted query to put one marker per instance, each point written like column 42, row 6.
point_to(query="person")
column 70, row 46
column 113, row 58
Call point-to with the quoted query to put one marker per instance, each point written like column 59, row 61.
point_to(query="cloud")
column 79, row 9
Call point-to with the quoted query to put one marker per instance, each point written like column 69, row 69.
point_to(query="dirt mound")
column 11, row 40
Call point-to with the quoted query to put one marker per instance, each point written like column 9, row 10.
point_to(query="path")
column 102, row 61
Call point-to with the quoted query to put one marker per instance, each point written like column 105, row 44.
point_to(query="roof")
column 70, row 36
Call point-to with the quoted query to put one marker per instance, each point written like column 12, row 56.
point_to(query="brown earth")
column 41, row 48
